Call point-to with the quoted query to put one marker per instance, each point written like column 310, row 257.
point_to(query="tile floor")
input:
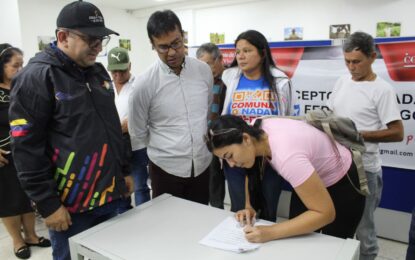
column 6, row 245
column 389, row 250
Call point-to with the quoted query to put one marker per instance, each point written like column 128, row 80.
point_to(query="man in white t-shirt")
column 371, row 103
column 119, row 66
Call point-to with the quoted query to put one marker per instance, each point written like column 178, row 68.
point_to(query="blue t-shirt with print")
column 251, row 99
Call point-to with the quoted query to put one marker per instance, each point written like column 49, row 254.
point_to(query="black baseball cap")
column 84, row 17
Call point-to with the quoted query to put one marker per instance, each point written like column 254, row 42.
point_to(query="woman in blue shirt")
column 255, row 87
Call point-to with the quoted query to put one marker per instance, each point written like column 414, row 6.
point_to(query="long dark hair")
column 261, row 44
column 228, row 130
column 6, row 53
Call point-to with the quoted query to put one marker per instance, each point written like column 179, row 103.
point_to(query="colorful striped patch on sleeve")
column 19, row 127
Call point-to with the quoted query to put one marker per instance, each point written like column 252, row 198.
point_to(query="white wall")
column 38, row 18
column 271, row 17
column 10, row 23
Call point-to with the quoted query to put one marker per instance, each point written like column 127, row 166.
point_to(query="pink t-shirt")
column 298, row 149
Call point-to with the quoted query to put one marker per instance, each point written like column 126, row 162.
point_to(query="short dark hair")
column 228, row 130
column 162, row 22
column 6, row 53
column 360, row 41
column 209, row 48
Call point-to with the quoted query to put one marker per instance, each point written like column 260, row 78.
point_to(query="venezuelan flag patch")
column 19, row 127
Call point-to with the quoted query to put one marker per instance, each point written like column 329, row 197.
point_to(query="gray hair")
column 360, row 41
column 209, row 48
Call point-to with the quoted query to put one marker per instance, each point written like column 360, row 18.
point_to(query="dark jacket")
column 66, row 134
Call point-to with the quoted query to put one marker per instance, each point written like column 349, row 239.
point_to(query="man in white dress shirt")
column 119, row 65
column 168, row 113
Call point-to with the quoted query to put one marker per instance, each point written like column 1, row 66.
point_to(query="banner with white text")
column 314, row 71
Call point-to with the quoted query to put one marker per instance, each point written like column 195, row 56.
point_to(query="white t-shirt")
column 371, row 105
column 121, row 99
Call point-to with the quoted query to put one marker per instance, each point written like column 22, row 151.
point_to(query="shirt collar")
column 131, row 80
column 167, row 69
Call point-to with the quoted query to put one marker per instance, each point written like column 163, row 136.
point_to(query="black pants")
column 193, row 188
column 349, row 205
column 216, row 184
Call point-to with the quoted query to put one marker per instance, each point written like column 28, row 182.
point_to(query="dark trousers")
column 193, row 188
column 348, row 203
column 80, row 222
column 216, row 184
column 410, row 253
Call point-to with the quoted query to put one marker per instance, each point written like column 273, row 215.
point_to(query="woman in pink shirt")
column 325, row 183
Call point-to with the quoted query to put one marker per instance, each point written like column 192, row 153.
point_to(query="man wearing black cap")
column 67, row 140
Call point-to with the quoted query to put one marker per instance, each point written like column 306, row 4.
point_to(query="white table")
column 169, row 228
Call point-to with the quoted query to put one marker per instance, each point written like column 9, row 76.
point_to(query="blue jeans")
column 80, row 222
column 139, row 171
column 410, row 253
column 271, row 189
column 125, row 205
column 366, row 231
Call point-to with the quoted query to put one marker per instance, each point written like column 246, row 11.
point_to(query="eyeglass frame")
column 92, row 41
column 177, row 44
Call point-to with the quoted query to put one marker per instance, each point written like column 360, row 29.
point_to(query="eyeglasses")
column 165, row 48
column 92, row 41
column 209, row 136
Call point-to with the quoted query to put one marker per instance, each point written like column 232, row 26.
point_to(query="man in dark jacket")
column 67, row 140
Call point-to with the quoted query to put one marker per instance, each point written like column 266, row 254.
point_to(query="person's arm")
column 389, row 114
column 284, row 87
column 210, row 83
column 246, row 216
column 30, row 112
column 393, row 133
column 124, row 126
column 320, row 212
column 138, row 112
column 3, row 160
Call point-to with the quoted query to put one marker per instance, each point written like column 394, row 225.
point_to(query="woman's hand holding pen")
column 254, row 234
column 246, row 216
column 257, row 234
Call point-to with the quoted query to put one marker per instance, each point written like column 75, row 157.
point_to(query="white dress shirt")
column 121, row 99
column 168, row 115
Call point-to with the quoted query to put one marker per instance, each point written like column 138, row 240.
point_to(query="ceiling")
column 144, row 4
column 141, row 4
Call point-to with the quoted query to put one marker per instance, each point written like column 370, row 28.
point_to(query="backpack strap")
column 356, row 155
column 357, row 158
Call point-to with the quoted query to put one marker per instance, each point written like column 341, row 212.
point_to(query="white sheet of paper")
column 229, row 235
